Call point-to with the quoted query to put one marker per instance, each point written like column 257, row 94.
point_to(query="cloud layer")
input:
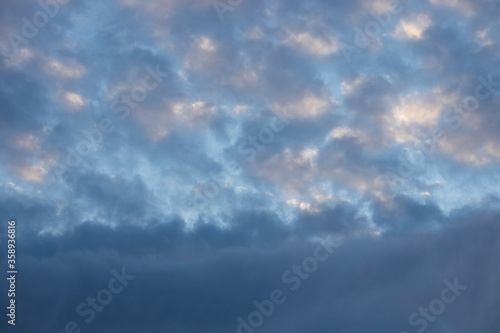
column 208, row 146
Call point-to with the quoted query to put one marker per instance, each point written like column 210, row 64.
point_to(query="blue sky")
column 207, row 146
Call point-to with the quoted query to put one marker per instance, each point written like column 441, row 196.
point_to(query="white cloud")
column 309, row 105
column 74, row 100
column 33, row 173
column 206, row 44
column 413, row 27
column 417, row 113
column 315, row 45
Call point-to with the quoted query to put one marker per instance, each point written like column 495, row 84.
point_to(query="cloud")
column 414, row 27
column 465, row 7
column 313, row 45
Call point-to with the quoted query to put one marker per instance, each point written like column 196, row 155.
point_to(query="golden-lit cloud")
column 309, row 105
column 463, row 6
column 416, row 114
column 314, row 45
column 73, row 100
column 33, row 173
column 28, row 142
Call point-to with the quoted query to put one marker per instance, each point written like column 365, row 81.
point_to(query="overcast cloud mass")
column 201, row 166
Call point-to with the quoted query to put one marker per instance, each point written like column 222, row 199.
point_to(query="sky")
column 217, row 166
